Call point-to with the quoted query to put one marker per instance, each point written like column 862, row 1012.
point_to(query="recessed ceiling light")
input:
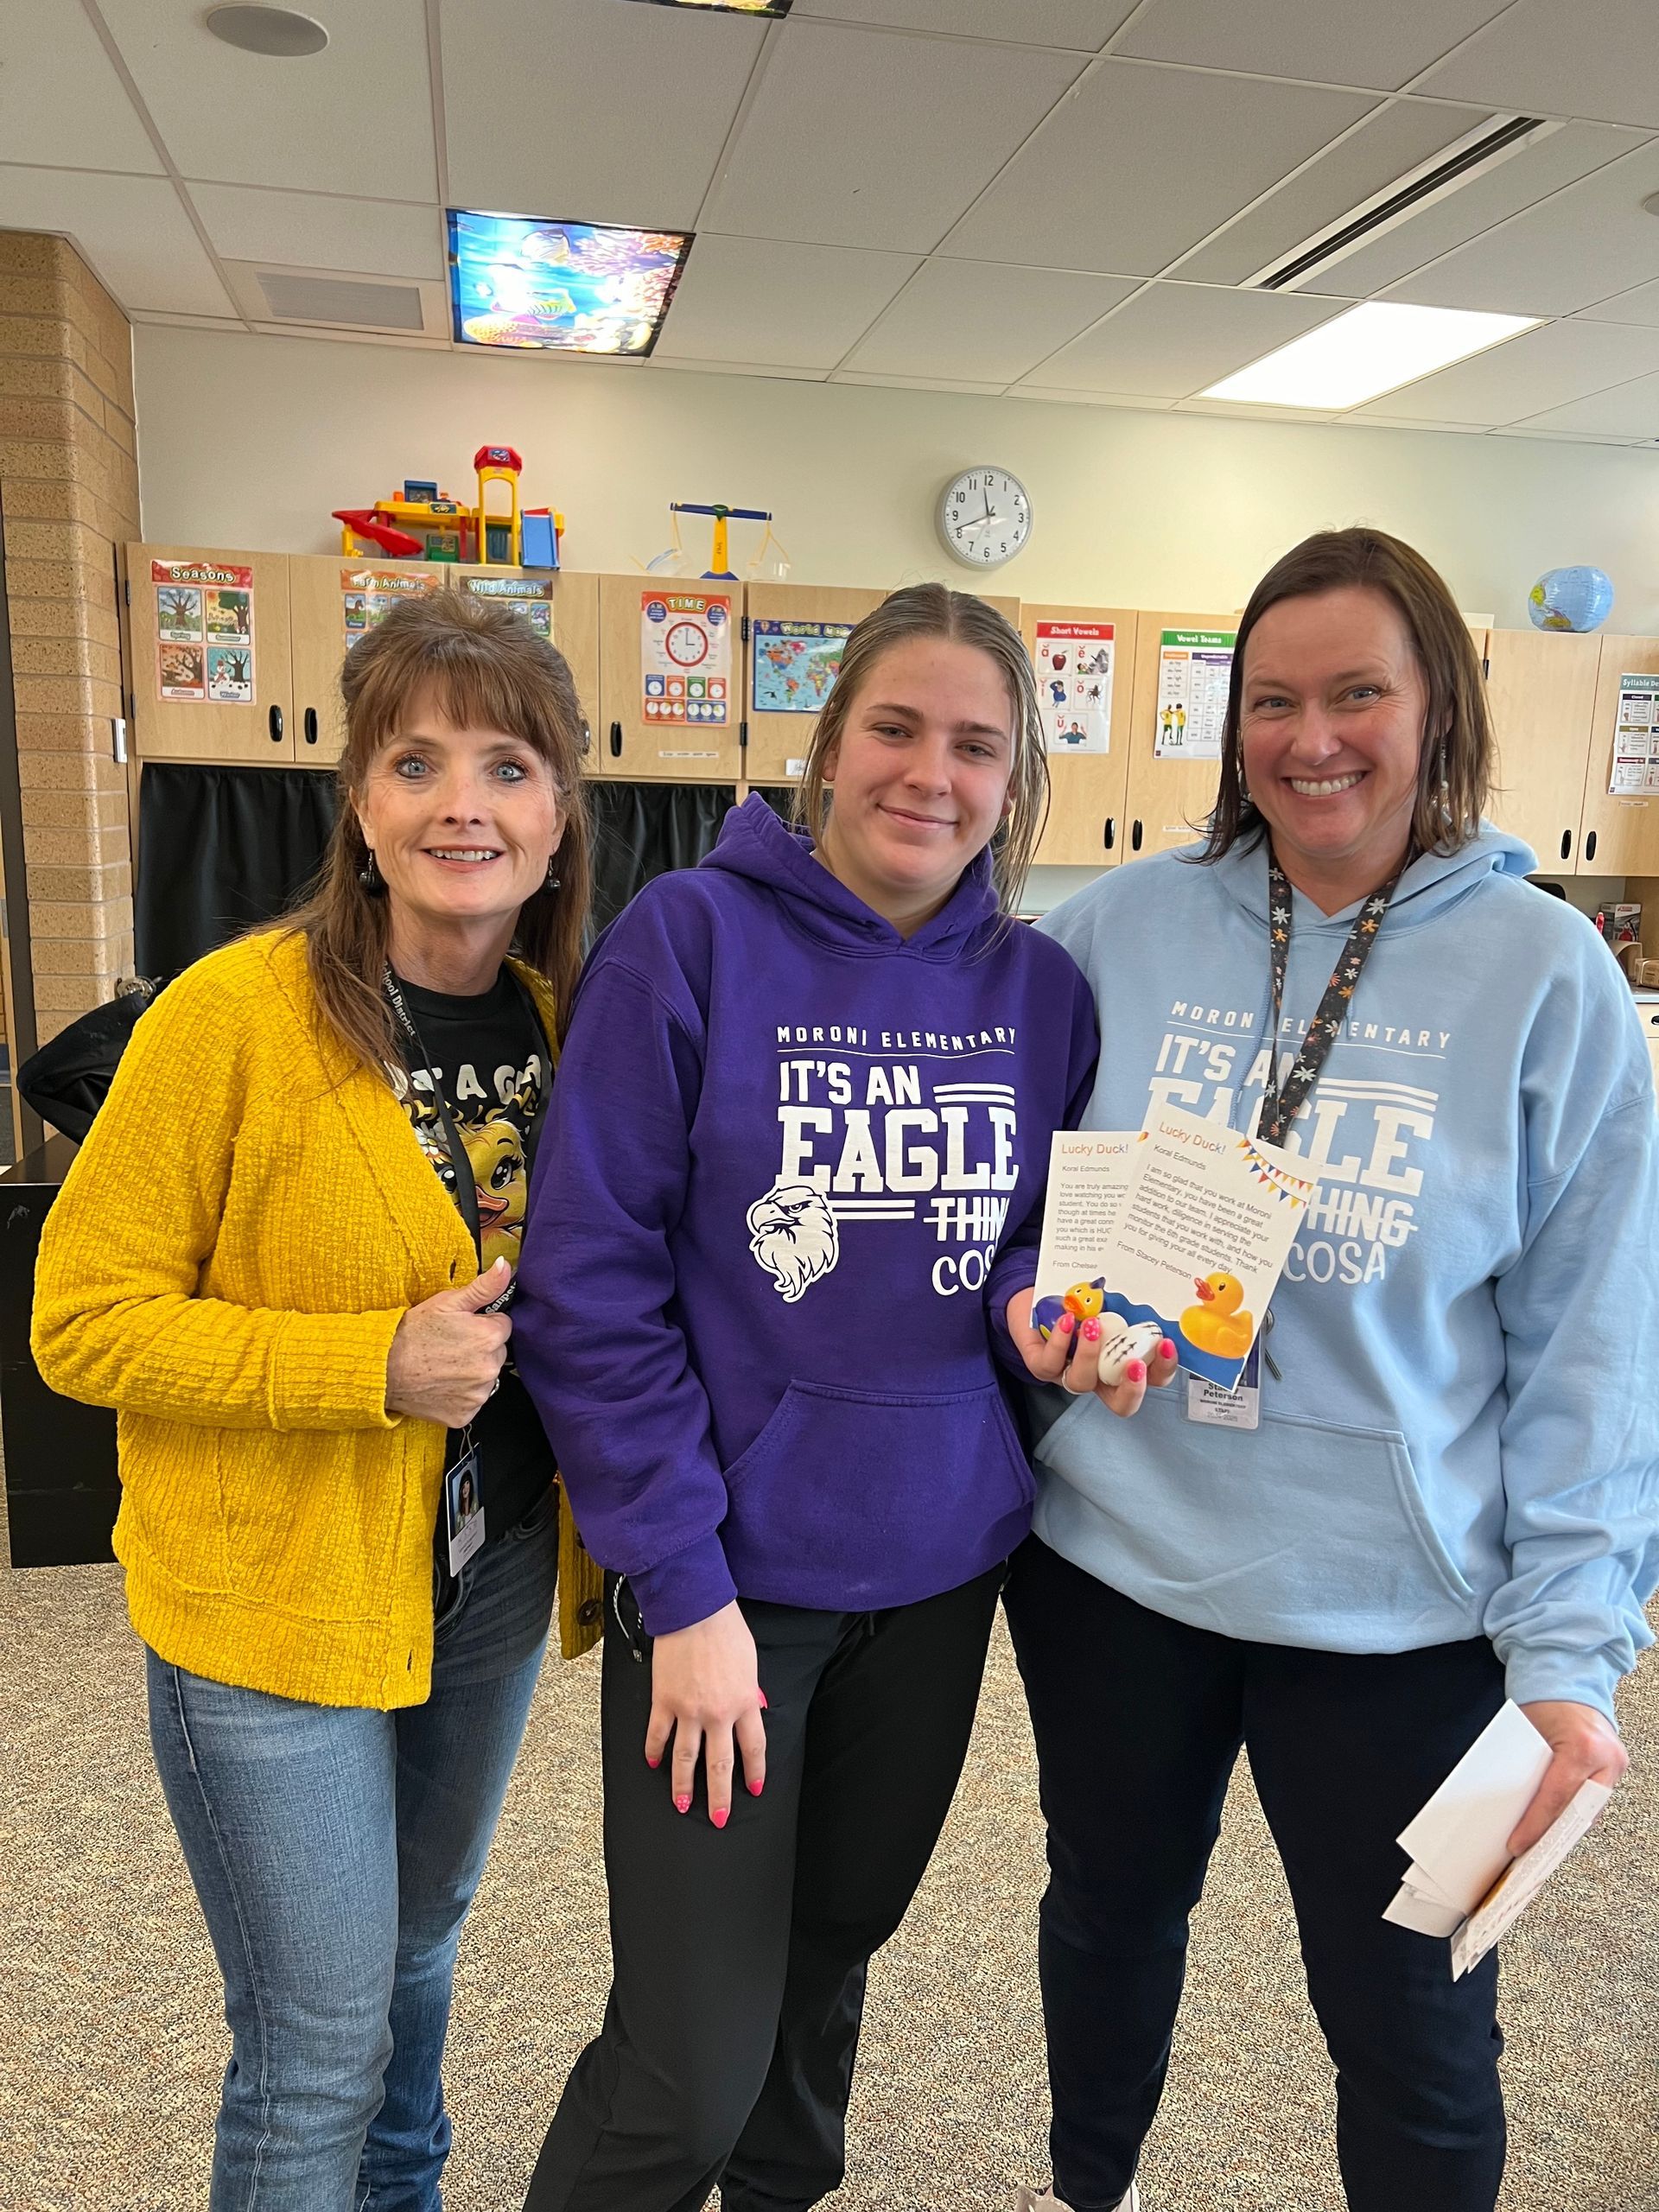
column 730, row 7
column 580, row 287
column 1372, row 349
column 267, row 30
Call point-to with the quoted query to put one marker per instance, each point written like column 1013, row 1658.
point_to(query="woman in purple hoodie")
column 797, row 1149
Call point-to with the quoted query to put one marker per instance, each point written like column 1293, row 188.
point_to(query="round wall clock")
column 984, row 517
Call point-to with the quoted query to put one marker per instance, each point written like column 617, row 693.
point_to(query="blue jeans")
column 335, row 1851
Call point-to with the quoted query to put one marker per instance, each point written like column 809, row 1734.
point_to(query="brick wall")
column 69, row 485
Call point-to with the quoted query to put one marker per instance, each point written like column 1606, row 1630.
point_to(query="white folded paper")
column 1462, row 1883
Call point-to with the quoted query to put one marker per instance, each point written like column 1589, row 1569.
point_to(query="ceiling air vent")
column 346, row 302
column 1468, row 157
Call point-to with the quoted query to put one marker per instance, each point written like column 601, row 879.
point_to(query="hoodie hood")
column 1431, row 883
column 755, row 843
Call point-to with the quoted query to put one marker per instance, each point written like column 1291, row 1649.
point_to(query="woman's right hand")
column 1071, row 1358
column 448, row 1354
column 705, row 1690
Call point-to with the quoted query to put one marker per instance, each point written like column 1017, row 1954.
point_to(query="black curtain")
column 220, row 850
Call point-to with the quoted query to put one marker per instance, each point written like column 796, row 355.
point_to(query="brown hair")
column 935, row 610
column 486, row 670
column 1455, row 767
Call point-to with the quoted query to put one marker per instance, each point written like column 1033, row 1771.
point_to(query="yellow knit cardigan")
column 249, row 1218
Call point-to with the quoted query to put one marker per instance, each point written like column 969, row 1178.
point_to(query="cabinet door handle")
column 1590, row 846
column 275, row 721
column 586, row 739
column 1566, row 844
column 310, row 725
column 1134, row 834
column 616, row 741
column 1111, row 831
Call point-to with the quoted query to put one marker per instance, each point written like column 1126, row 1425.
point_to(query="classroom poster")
column 1194, row 670
column 368, row 595
column 1635, row 769
column 685, row 656
column 204, row 632
column 530, row 596
column 796, row 664
column 1074, row 681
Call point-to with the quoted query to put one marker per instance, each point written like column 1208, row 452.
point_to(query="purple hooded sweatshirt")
column 791, row 1159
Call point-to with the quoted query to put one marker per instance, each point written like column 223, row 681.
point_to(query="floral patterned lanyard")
column 1280, row 1107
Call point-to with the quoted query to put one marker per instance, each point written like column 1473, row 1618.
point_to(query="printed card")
column 1200, row 1237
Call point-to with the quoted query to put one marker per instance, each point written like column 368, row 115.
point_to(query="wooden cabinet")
column 1169, row 798
column 687, row 728
column 1620, row 834
column 1541, row 688
column 777, row 740
column 182, row 637
column 1087, row 825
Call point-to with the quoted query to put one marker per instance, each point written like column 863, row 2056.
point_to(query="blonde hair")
column 485, row 669
column 935, row 610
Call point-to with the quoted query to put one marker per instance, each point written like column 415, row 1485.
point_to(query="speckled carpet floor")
column 111, row 2042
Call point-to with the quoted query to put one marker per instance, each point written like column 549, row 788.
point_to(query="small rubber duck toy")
column 1084, row 1301
column 1217, row 1325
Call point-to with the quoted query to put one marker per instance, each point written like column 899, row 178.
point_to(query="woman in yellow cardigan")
column 284, row 1255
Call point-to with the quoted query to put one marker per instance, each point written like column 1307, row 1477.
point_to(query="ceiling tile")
column 308, row 230
column 986, row 321
column 1084, row 24
column 1175, row 338
column 918, row 383
column 1627, row 410
column 1639, row 304
column 356, row 118
column 1526, row 177
column 831, row 149
column 1539, row 369
column 60, row 99
column 773, row 369
column 1387, row 144
column 1599, row 60
column 798, row 306
column 1336, row 43
column 132, row 230
column 1593, row 240
column 1143, row 164
column 619, row 118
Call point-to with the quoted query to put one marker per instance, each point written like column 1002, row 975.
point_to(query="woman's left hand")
column 1587, row 1748
column 1071, row 1358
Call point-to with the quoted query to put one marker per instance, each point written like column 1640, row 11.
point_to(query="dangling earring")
column 552, row 882
column 370, row 877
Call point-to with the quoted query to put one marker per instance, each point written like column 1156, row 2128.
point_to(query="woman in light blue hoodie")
column 1444, row 1490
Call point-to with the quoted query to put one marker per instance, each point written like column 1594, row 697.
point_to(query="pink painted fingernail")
column 764, row 1706
column 1064, row 1325
column 681, row 1804
column 755, row 1787
column 653, row 1763
column 1167, row 1350
column 1090, row 1331
column 721, row 1815
column 1135, row 1371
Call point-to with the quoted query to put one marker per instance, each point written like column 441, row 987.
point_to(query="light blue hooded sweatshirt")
column 1466, row 1439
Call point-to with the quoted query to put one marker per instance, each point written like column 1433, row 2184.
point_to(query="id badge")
column 463, row 1509
column 1216, row 1408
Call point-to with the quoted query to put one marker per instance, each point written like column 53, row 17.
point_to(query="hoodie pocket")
column 1303, row 1521
column 851, row 1498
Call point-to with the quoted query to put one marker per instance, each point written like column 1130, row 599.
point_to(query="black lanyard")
column 1280, row 1107
column 419, row 1062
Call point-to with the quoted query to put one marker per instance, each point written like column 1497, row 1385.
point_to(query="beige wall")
column 70, row 487
column 249, row 441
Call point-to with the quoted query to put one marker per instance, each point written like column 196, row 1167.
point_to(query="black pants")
column 1139, row 1720
column 739, row 1956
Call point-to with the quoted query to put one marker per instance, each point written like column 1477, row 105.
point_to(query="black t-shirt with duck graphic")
column 490, row 1057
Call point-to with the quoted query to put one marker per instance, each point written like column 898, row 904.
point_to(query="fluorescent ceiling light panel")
column 1372, row 349
column 580, row 287
column 731, row 7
